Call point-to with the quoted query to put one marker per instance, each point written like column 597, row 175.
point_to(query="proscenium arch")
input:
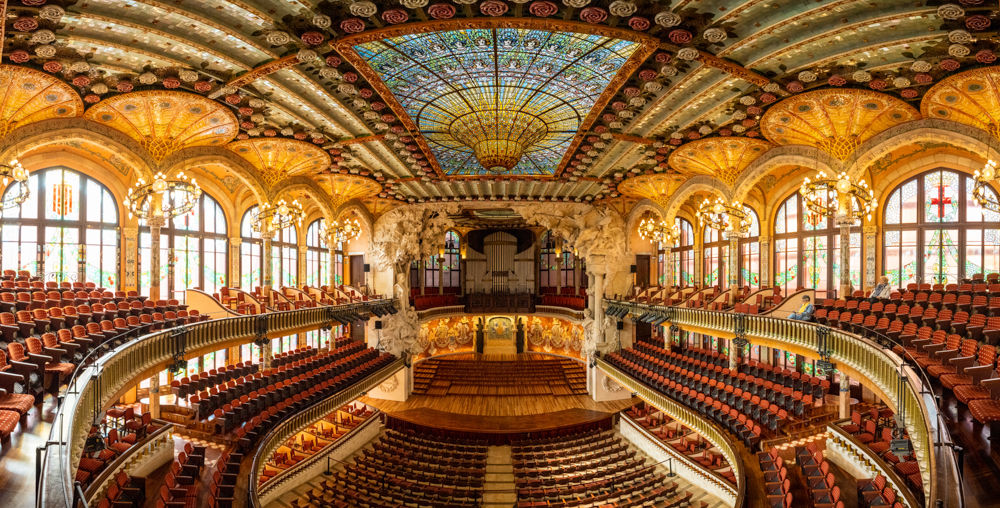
column 700, row 183
column 66, row 130
column 794, row 155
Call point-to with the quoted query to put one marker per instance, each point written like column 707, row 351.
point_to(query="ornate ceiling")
column 559, row 99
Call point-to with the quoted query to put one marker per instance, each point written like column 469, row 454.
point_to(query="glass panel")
column 62, row 195
column 786, row 264
column 941, row 256
column 941, row 197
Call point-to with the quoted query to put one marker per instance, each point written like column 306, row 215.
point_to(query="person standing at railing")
column 805, row 312
column 881, row 291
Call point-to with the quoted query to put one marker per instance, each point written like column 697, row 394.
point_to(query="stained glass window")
column 550, row 272
column 250, row 253
column 285, row 258
column 684, row 264
column 451, row 275
column 716, row 249
column 193, row 252
column 935, row 234
column 67, row 230
column 317, row 256
column 806, row 249
column 750, row 252
column 477, row 91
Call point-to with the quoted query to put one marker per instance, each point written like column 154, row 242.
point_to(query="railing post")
column 739, row 341
column 261, row 341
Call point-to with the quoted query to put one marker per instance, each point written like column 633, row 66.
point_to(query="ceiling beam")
column 258, row 72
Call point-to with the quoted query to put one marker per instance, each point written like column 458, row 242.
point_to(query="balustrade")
column 884, row 370
column 105, row 374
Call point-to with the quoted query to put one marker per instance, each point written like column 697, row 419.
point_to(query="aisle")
column 500, row 489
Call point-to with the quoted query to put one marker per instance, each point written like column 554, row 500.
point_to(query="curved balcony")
column 735, row 494
column 108, row 371
column 883, row 372
column 261, row 495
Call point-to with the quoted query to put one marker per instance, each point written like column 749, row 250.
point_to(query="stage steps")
column 500, row 490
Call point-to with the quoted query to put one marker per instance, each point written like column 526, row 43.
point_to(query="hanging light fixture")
column 658, row 231
column 341, row 231
column 841, row 197
column 14, row 172
column 161, row 197
column 981, row 190
column 724, row 217
column 270, row 218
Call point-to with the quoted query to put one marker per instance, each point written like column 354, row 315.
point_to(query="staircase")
column 499, row 487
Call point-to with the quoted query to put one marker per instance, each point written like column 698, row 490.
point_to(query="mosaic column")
column 235, row 243
column 699, row 260
column 303, row 268
column 871, row 237
column 154, row 396
column 155, row 223
column 765, row 261
column 130, row 264
column 844, row 402
column 265, row 356
column 845, row 257
column 734, row 266
column 668, row 265
column 265, row 267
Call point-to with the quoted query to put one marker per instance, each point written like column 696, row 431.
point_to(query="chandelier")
column 845, row 200
column 341, row 231
column 658, row 231
column 981, row 190
column 271, row 218
column 161, row 197
column 16, row 172
column 724, row 217
column 498, row 137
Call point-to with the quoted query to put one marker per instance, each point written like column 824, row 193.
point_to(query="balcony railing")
column 854, row 355
column 687, row 417
column 299, row 422
column 106, row 373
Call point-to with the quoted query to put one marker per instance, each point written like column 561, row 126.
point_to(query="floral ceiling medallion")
column 499, row 97
column 971, row 97
column 835, row 121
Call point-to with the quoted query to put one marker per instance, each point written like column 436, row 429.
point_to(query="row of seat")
column 593, row 467
column 680, row 438
column 189, row 385
column 243, row 397
column 312, row 387
column 400, row 473
column 876, row 429
column 777, row 486
column 820, row 481
column 183, row 481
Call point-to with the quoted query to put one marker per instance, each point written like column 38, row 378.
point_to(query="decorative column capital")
column 870, row 229
column 156, row 221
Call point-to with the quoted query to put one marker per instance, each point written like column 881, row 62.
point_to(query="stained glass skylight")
column 497, row 100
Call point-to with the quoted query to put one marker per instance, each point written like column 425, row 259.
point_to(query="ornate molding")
column 258, row 72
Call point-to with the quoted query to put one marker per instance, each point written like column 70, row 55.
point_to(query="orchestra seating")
column 406, row 466
column 590, row 468
column 537, row 374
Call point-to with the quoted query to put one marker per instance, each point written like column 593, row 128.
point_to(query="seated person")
column 805, row 312
column 881, row 291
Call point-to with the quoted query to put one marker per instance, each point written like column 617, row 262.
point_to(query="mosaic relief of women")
column 535, row 331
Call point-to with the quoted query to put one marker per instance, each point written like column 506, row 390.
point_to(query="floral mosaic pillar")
column 871, row 237
column 130, row 263
column 235, row 269
column 155, row 223
column 265, row 267
column 765, row 261
column 734, row 266
column 844, row 289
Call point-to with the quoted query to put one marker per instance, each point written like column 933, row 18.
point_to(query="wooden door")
column 642, row 270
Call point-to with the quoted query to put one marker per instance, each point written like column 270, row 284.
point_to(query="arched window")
column 716, row 251
column 285, row 258
column 317, row 256
column 451, row 275
column 750, row 252
column 193, row 252
column 67, row 230
column 250, row 257
column 936, row 234
column 682, row 256
column 806, row 251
